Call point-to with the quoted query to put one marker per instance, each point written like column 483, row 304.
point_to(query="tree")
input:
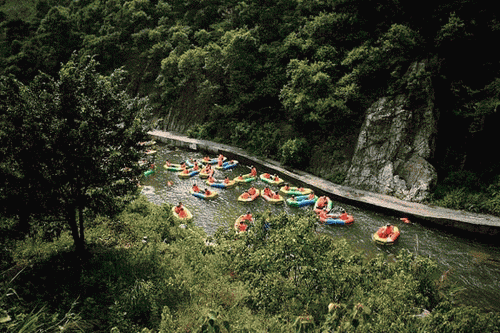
column 70, row 145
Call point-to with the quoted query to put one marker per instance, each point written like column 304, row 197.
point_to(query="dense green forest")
column 81, row 81
column 286, row 78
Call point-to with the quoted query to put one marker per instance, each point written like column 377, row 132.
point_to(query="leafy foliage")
column 295, row 152
column 146, row 273
column 81, row 132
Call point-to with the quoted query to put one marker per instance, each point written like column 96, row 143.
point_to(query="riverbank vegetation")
column 144, row 272
column 275, row 77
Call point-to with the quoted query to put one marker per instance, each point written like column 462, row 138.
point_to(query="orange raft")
column 385, row 236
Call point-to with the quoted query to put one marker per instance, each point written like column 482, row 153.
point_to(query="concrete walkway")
column 479, row 224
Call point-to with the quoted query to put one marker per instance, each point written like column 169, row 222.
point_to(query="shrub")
column 295, row 153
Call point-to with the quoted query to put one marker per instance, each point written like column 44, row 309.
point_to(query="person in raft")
column 196, row 188
column 220, row 162
column 242, row 226
column 253, row 171
column 252, row 190
column 226, row 180
column 384, row 232
column 179, row 210
column 311, row 195
column 267, row 176
column 286, row 187
column 196, row 167
column 247, row 217
column 276, row 178
column 207, row 192
column 208, row 170
column 268, row 192
column 321, row 202
column 323, row 214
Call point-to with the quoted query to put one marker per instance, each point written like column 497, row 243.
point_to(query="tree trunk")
column 71, row 216
column 82, row 228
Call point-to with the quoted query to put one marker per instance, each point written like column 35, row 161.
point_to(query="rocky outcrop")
column 394, row 146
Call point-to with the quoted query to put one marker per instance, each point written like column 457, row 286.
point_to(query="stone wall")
column 394, row 146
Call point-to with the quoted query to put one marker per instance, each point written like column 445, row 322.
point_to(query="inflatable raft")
column 246, row 197
column 188, row 216
column 295, row 190
column 344, row 219
column 173, row 167
column 189, row 174
column 227, row 165
column 208, row 160
column 221, row 184
column 202, row 195
column 301, row 201
column 329, row 205
column 279, row 199
column 244, row 178
column 241, row 224
column 270, row 179
column 384, row 238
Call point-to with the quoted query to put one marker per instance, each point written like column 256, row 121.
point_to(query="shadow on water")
column 468, row 263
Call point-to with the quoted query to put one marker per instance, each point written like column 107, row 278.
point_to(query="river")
column 470, row 265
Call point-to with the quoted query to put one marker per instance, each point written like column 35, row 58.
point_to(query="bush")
column 280, row 279
column 201, row 131
column 295, row 153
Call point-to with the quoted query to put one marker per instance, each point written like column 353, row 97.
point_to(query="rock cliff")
column 394, row 146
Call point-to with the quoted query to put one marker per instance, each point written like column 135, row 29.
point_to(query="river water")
column 470, row 265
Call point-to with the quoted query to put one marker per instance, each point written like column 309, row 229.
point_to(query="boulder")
column 394, row 147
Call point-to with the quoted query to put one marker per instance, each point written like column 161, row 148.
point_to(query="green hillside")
column 81, row 81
